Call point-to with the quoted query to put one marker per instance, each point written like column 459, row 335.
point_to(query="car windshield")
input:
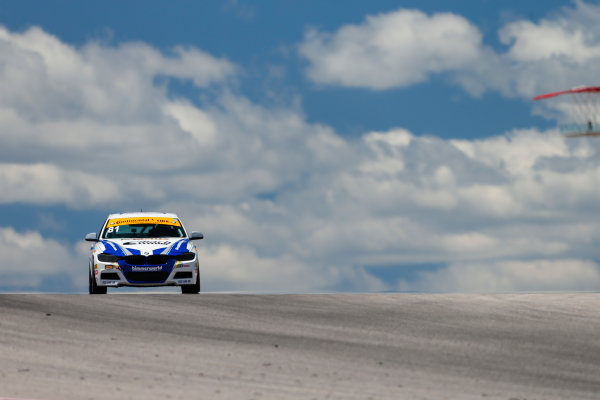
column 142, row 228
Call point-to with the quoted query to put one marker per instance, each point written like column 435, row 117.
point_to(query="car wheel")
column 94, row 288
column 192, row 289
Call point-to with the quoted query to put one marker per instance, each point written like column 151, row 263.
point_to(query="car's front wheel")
column 192, row 289
column 94, row 288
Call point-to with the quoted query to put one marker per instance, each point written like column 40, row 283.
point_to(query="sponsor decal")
column 146, row 242
column 147, row 269
column 143, row 220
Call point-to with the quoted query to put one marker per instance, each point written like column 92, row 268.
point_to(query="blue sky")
column 353, row 146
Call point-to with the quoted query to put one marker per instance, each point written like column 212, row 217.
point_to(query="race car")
column 143, row 249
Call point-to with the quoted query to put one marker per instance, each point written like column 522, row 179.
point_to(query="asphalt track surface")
column 326, row 346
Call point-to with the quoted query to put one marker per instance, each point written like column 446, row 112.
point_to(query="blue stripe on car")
column 158, row 251
column 112, row 248
column 134, row 252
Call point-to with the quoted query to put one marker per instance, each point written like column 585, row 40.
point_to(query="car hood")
column 127, row 247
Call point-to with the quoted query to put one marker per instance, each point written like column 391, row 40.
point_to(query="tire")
column 94, row 288
column 192, row 289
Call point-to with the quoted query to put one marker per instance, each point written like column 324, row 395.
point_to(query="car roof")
column 142, row 214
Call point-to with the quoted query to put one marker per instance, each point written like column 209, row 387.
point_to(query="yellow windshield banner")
column 143, row 220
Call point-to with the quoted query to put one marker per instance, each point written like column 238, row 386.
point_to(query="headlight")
column 189, row 256
column 108, row 258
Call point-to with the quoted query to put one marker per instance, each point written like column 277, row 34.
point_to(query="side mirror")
column 196, row 236
column 91, row 237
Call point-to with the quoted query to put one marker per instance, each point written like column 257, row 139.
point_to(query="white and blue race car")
column 143, row 249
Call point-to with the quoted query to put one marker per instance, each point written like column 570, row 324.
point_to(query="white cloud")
column 407, row 47
column 99, row 110
column 391, row 50
column 570, row 36
column 239, row 268
column 28, row 259
column 511, row 276
column 46, row 79
column 406, row 200
column 546, row 40
column 193, row 121
column 48, row 184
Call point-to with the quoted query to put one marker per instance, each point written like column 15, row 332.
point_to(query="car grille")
column 155, row 259
column 152, row 269
column 135, row 260
column 147, row 276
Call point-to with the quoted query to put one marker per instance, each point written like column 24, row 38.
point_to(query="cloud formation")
column 397, row 49
column 30, row 260
column 407, row 47
column 289, row 205
column 510, row 276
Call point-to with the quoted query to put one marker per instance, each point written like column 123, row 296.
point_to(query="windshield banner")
column 143, row 220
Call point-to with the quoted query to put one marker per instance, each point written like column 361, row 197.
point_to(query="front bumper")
column 120, row 274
